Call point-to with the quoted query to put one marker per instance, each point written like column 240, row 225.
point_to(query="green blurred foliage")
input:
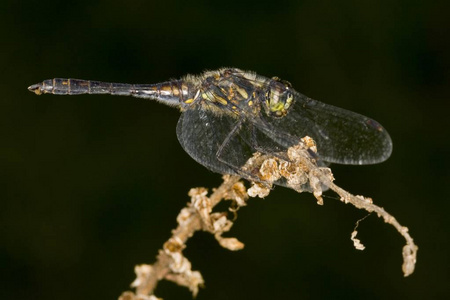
column 91, row 185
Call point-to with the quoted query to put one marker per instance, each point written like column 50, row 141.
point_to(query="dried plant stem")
column 409, row 250
column 296, row 168
column 170, row 263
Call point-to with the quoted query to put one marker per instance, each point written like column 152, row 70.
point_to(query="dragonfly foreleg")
column 250, row 176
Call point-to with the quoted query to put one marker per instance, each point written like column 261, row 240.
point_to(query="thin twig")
column 170, row 263
column 325, row 177
column 296, row 168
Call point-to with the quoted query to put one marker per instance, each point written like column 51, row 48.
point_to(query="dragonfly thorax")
column 227, row 91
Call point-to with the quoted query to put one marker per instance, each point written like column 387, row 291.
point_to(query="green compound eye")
column 277, row 103
column 277, row 107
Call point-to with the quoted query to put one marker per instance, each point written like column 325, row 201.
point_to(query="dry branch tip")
column 297, row 169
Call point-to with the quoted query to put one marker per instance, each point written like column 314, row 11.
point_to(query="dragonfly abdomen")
column 172, row 93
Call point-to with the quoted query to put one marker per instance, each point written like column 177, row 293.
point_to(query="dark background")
column 91, row 185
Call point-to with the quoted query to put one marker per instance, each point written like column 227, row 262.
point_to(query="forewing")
column 341, row 136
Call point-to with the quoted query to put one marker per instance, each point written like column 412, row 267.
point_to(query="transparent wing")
column 341, row 136
column 202, row 132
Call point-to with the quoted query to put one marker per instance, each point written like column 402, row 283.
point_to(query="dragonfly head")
column 278, row 98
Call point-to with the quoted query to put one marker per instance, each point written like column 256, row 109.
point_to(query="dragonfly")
column 229, row 114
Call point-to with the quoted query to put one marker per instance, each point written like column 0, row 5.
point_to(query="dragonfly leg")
column 237, row 168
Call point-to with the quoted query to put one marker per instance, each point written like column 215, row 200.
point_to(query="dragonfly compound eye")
column 277, row 103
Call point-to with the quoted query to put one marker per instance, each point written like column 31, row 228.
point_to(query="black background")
column 91, row 185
